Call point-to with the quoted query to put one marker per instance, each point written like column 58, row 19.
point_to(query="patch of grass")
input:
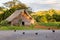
column 51, row 24
column 31, row 27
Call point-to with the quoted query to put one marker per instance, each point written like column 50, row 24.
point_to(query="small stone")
column 14, row 30
column 48, row 28
column 53, row 30
column 36, row 33
column 23, row 33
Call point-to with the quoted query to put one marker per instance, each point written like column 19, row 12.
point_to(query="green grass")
column 19, row 28
column 31, row 27
column 51, row 24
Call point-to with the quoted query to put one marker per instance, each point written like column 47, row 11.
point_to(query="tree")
column 1, row 8
column 48, row 17
column 37, row 18
column 14, row 3
column 56, row 17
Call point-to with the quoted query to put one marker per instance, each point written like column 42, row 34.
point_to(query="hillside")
column 47, row 16
column 50, row 12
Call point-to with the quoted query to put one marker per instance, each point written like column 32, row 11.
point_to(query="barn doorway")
column 23, row 23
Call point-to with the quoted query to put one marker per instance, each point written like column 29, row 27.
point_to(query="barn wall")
column 15, row 21
column 24, row 19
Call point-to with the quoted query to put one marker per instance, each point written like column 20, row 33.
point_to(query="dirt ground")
column 46, row 27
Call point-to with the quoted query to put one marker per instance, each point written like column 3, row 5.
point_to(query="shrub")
column 4, row 23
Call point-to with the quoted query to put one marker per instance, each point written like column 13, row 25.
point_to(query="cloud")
column 36, row 6
column 51, row 1
column 41, row 1
column 3, row 1
column 40, row 4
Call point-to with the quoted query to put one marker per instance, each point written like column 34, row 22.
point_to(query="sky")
column 39, row 4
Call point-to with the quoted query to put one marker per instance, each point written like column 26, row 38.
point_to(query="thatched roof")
column 15, row 14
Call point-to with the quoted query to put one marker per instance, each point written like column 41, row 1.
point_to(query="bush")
column 4, row 23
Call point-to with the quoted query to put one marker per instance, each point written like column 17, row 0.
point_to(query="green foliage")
column 40, row 18
column 48, row 17
column 1, row 17
column 15, row 4
column 37, row 18
column 43, row 19
column 13, row 7
column 56, row 17
column 1, row 8
column 52, row 10
column 52, row 20
column 4, row 23
column 6, row 14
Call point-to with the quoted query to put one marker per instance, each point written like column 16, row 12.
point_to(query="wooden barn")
column 20, row 17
